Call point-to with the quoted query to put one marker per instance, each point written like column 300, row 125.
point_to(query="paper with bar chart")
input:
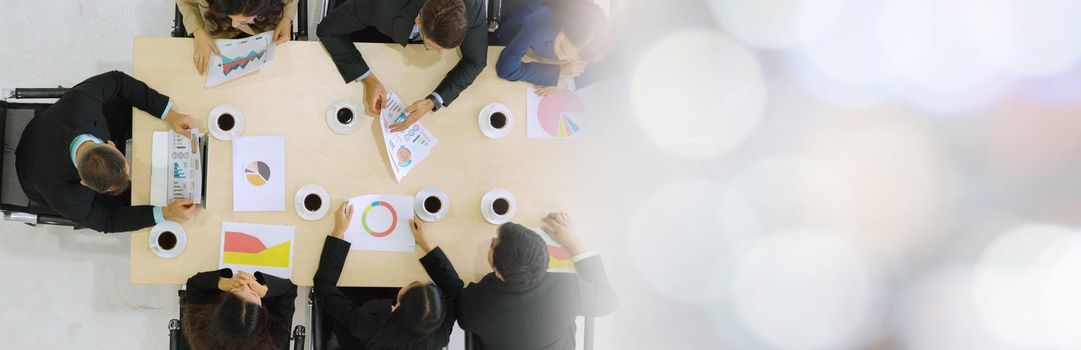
column 408, row 148
column 560, row 258
column 381, row 223
column 178, row 167
column 259, row 173
column 254, row 247
column 559, row 115
column 239, row 57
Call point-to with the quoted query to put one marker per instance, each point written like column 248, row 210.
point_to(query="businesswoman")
column 240, row 311
column 419, row 317
column 562, row 37
column 207, row 20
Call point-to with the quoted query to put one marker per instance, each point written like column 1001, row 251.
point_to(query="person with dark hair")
column 561, row 37
column 207, row 20
column 419, row 317
column 67, row 158
column 223, row 310
column 438, row 24
column 519, row 305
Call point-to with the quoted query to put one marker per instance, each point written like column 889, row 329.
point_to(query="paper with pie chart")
column 408, row 148
column 560, row 115
column 560, row 258
column 254, row 247
column 381, row 223
column 259, row 173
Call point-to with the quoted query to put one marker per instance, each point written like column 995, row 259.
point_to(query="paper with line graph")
column 254, row 247
column 408, row 148
column 239, row 57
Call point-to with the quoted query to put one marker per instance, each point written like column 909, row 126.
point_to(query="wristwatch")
column 435, row 102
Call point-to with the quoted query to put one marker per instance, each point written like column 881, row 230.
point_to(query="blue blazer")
column 528, row 27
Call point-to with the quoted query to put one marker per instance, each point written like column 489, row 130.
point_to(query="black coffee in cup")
column 167, row 240
column 345, row 115
column 312, row 202
column 498, row 120
column 433, row 204
column 226, row 122
column 501, row 206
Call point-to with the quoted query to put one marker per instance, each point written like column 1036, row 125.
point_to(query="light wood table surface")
column 289, row 97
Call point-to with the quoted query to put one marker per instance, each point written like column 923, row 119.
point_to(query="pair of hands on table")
column 204, row 44
column 240, row 280
column 344, row 215
column 375, row 96
column 567, row 71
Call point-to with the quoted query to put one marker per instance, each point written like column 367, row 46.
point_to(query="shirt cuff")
column 362, row 76
column 165, row 113
column 438, row 99
column 584, row 256
column 159, row 216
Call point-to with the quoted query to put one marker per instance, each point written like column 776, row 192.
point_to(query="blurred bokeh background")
column 842, row 174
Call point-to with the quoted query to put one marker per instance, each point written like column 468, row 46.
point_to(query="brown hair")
column 230, row 324
column 444, row 22
column 267, row 14
column 102, row 169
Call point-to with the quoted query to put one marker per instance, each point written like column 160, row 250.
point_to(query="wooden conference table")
column 289, row 97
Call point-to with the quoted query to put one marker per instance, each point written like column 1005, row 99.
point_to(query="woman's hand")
column 420, row 234
column 544, row 90
column 204, row 45
column 342, row 218
column 228, row 284
column 284, row 31
column 571, row 70
column 258, row 288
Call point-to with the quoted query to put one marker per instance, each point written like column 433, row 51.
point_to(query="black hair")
column 420, row 312
column 583, row 22
column 444, row 22
column 521, row 256
column 232, row 323
column 267, row 14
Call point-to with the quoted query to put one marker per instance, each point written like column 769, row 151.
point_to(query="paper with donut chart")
column 255, row 247
column 408, row 148
column 560, row 258
column 239, row 57
column 381, row 223
column 259, row 173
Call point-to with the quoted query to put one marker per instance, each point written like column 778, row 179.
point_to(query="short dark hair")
column 444, row 22
column 419, row 314
column 521, row 256
column 102, row 169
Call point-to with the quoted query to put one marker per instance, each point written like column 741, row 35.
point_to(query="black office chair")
column 320, row 333
column 14, row 116
column 178, row 342
column 300, row 24
column 472, row 343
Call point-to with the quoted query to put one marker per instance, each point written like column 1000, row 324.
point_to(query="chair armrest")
column 174, row 334
column 298, row 337
column 588, row 336
column 302, row 21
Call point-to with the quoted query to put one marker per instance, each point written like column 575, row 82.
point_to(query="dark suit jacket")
column 279, row 299
column 43, row 158
column 539, row 318
column 364, row 321
column 396, row 18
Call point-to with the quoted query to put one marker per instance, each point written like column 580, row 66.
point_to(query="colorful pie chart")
column 257, row 173
column 559, row 114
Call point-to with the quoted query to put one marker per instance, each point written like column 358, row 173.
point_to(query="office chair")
column 320, row 333
column 178, row 342
column 472, row 342
column 14, row 116
column 300, row 23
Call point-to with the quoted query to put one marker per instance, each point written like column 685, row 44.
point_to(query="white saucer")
column 486, row 206
column 332, row 116
column 487, row 129
column 181, row 239
column 298, row 202
column 212, row 122
column 418, row 204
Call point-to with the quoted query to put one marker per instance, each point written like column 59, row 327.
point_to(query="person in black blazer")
column 439, row 24
column 421, row 316
column 223, row 310
column 84, row 128
column 520, row 306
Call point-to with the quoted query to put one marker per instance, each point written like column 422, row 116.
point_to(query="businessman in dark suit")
column 439, row 24
column 520, row 306
column 68, row 159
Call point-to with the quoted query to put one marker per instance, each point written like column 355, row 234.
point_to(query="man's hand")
column 204, row 44
column 560, row 228
column 284, row 31
column 375, row 95
column 416, row 111
column 420, row 235
column 342, row 218
column 180, row 122
column 179, row 210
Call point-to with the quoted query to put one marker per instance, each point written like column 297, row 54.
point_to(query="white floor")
column 68, row 289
